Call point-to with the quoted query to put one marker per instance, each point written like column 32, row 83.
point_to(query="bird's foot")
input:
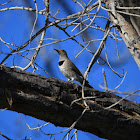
column 69, row 80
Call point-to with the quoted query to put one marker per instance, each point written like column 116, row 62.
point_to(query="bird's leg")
column 70, row 79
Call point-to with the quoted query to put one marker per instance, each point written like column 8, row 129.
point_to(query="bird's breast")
column 62, row 66
column 64, row 69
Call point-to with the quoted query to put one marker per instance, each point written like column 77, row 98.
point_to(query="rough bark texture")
column 127, row 25
column 49, row 99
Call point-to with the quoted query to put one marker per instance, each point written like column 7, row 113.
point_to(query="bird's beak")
column 56, row 50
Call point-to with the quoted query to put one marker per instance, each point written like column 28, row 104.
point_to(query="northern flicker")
column 68, row 69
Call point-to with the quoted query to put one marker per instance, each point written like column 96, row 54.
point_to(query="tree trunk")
column 127, row 22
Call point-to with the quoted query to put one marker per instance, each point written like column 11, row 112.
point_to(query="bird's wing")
column 75, row 69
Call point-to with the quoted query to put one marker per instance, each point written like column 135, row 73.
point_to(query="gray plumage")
column 68, row 69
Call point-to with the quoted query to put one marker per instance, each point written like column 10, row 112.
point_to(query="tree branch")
column 49, row 99
column 128, row 28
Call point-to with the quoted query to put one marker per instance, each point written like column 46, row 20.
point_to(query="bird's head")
column 62, row 53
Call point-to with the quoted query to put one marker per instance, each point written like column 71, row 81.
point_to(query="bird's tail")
column 86, row 83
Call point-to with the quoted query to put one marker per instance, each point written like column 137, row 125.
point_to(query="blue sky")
column 16, row 27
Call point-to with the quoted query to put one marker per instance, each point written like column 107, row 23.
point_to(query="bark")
column 127, row 25
column 49, row 99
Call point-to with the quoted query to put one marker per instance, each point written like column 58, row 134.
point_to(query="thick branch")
column 49, row 99
column 128, row 26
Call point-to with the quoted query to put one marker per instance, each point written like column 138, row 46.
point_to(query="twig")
column 117, row 47
column 128, row 8
column 79, row 4
column 121, row 81
column 5, row 136
column 126, row 13
column 122, row 99
column 73, row 125
column 75, row 133
column 99, row 50
column 37, row 127
column 110, row 65
column 105, row 81
column 22, row 8
column 34, row 21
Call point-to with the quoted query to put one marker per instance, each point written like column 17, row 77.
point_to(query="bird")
column 69, row 70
